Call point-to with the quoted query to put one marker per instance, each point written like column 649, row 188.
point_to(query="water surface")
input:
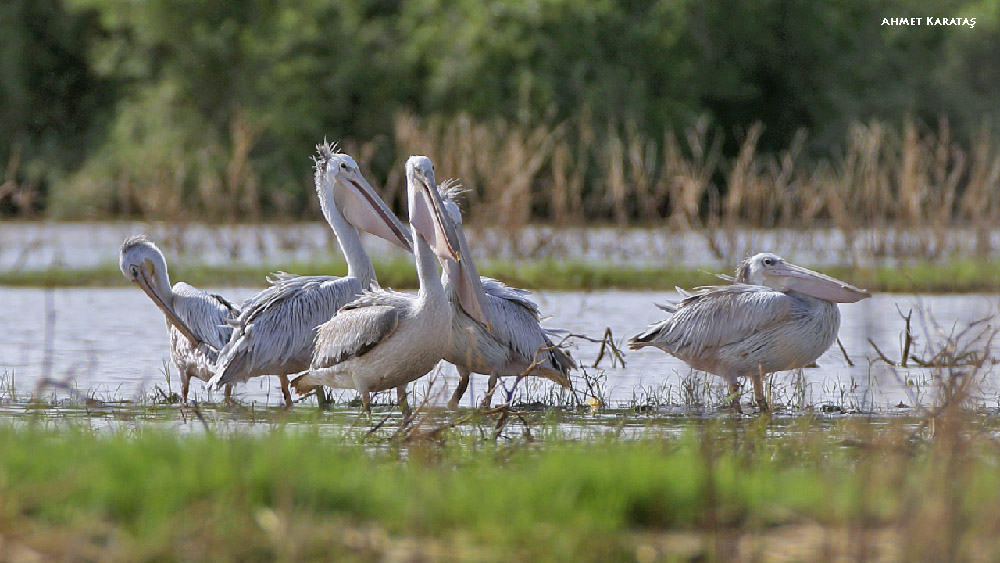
column 112, row 344
column 39, row 245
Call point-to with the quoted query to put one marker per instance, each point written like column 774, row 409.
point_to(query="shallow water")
column 112, row 344
column 38, row 245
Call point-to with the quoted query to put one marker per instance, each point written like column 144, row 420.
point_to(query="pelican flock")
column 347, row 332
column 775, row 316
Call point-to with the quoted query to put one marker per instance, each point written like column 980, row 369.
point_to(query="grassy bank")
column 725, row 489
column 952, row 276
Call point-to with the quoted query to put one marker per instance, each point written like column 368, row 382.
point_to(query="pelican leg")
column 404, row 405
column 285, row 392
column 366, row 402
column 758, row 391
column 488, row 399
column 185, row 384
column 463, row 385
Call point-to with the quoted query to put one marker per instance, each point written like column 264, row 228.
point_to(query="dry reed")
column 891, row 190
column 894, row 191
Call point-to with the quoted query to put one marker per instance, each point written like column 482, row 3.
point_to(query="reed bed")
column 891, row 190
column 903, row 188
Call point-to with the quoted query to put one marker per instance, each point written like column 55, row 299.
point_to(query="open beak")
column 364, row 209
column 789, row 277
column 146, row 285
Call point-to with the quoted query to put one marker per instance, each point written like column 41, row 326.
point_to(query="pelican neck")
column 427, row 273
column 358, row 264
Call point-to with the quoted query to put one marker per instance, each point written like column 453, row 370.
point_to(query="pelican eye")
column 134, row 270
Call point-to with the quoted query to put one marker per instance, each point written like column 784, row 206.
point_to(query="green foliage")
column 51, row 99
column 568, row 500
column 210, row 108
column 298, row 493
column 951, row 276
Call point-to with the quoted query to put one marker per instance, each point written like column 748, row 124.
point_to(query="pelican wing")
column 206, row 314
column 715, row 317
column 514, row 321
column 358, row 327
column 515, row 325
column 275, row 332
column 496, row 288
column 514, row 318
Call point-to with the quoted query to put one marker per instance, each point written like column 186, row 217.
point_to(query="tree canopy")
column 233, row 94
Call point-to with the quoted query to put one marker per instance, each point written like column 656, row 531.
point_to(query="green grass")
column 294, row 493
column 951, row 276
column 399, row 274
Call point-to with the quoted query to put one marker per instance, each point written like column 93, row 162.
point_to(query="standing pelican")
column 196, row 319
column 512, row 343
column 387, row 339
column 776, row 316
column 275, row 332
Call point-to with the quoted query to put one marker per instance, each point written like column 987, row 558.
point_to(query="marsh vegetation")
column 609, row 149
column 643, row 466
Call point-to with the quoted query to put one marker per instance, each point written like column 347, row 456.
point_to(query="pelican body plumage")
column 775, row 316
column 275, row 333
column 511, row 343
column 386, row 339
column 197, row 321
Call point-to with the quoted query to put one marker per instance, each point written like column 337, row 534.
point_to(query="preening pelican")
column 513, row 343
column 776, row 316
column 196, row 319
column 274, row 334
column 387, row 339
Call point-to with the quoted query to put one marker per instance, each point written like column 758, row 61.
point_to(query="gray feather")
column 514, row 340
column 277, row 328
column 738, row 329
column 359, row 327
column 207, row 315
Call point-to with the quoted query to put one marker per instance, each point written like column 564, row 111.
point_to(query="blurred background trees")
column 209, row 109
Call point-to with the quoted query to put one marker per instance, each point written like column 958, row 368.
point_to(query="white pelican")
column 196, row 319
column 274, row 334
column 512, row 343
column 387, row 339
column 776, row 316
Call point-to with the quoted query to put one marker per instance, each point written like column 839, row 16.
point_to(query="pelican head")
column 772, row 271
column 339, row 183
column 143, row 264
column 431, row 219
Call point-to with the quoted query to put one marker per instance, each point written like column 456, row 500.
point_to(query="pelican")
column 196, row 319
column 512, row 343
column 387, row 339
column 275, row 332
column 776, row 316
